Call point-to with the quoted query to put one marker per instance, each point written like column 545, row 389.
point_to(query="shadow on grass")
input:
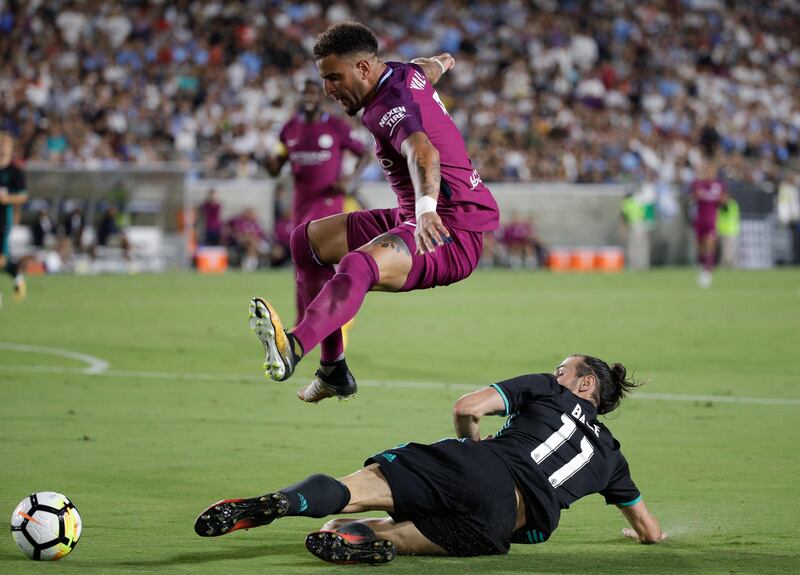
column 599, row 557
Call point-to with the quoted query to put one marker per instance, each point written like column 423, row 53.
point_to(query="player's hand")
column 430, row 233
column 447, row 60
column 3, row 195
column 343, row 185
column 631, row 534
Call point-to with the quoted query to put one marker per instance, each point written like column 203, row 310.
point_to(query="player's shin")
column 317, row 496
column 311, row 273
column 339, row 300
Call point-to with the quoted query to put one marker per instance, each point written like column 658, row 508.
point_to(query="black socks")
column 11, row 268
column 316, row 496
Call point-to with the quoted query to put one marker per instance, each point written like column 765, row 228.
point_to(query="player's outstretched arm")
column 469, row 409
column 435, row 66
column 644, row 526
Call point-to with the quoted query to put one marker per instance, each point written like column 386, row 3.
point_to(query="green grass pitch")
column 182, row 416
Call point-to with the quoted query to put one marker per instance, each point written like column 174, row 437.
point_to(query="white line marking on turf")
column 96, row 365
column 437, row 385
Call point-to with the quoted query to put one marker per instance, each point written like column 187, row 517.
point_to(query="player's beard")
column 352, row 109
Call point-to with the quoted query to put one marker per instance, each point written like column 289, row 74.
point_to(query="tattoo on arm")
column 392, row 242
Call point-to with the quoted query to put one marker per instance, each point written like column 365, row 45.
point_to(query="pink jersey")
column 405, row 103
column 708, row 195
column 315, row 154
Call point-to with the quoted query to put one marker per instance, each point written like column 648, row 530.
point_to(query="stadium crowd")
column 543, row 90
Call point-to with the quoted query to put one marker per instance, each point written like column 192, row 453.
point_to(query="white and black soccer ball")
column 46, row 526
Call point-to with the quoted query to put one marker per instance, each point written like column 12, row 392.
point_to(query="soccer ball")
column 46, row 526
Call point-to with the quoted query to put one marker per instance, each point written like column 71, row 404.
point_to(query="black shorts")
column 458, row 493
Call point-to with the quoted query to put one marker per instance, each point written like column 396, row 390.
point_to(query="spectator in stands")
column 73, row 228
column 521, row 242
column 544, row 90
column 634, row 232
column 247, row 239
column 110, row 233
column 728, row 224
column 210, row 212
column 42, row 230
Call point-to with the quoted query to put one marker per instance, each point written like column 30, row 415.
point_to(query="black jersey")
column 13, row 180
column 557, row 452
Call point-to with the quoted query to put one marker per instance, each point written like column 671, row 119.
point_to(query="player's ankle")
column 328, row 367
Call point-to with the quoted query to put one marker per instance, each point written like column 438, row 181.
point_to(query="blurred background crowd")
column 577, row 91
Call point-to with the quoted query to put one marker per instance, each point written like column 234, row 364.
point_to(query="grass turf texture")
column 182, row 417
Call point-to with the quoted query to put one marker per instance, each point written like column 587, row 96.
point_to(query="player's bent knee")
column 327, row 238
column 302, row 254
column 393, row 259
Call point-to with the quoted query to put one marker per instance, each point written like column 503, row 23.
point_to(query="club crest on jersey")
column 418, row 81
column 325, row 141
column 392, row 117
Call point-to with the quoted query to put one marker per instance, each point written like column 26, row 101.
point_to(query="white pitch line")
column 433, row 385
column 96, row 365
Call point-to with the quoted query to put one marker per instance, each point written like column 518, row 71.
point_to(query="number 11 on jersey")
column 556, row 440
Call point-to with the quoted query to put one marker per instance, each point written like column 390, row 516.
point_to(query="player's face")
column 566, row 373
column 345, row 80
column 311, row 100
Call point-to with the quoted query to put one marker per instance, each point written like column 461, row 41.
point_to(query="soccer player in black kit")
column 12, row 194
column 467, row 496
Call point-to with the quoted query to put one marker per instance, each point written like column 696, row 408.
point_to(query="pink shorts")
column 449, row 263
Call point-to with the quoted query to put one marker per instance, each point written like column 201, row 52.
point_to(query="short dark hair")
column 612, row 382
column 345, row 38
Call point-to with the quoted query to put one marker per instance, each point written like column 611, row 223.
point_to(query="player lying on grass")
column 469, row 496
column 433, row 238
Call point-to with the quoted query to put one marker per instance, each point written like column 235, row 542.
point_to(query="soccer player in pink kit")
column 433, row 238
column 708, row 193
column 314, row 143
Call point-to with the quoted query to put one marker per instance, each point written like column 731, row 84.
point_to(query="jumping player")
column 314, row 143
column 433, row 238
column 469, row 496
column 12, row 194
column 708, row 193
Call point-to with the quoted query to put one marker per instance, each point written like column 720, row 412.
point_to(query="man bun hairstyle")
column 345, row 38
column 613, row 383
